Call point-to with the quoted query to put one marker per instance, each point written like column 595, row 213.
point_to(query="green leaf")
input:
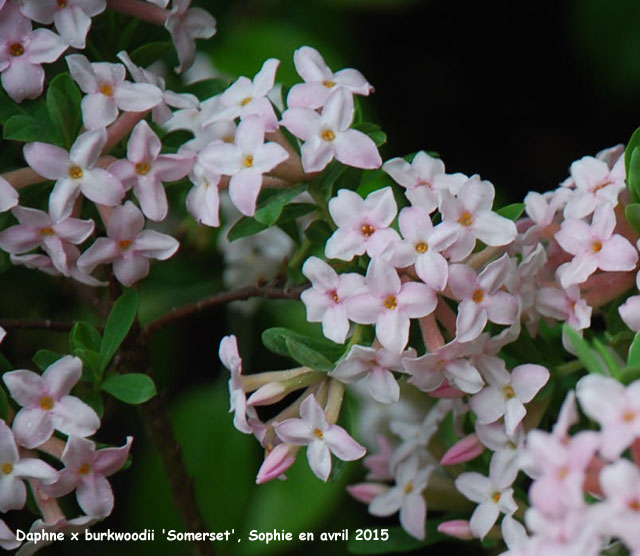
column 634, row 142
column 632, row 212
column 4, row 404
column 269, row 212
column 308, row 357
column 447, row 431
column 275, row 339
column 586, row 354
column 84, row 336
column 63, row 105
column 633, row 359
column 91, row 371
column 512, row 212
column 118, row 324
column 318, row 232
column 207, row 88
column 633, row 172
column 45, row 358
column 629, row 375
column 398, row 541
column 245, row 227
column 608, row 356
column 5, row 364
column 131, row 388
column 149, row 53
column 28, row 129
column 323, row 185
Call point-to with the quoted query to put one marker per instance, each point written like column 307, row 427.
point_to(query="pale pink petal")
column 102, row 187
column 464, row 376
column 281, row 458
column 513, row 415
column 13, row 493
column 392, row 330
column 48, row 160
column 527, row 380
column 383, row 386
column 344, row 244
column 155, row 245
column 20, row 239
column 98, row 111
column 44, row 47
column 152, row 197
column 342, row 445
column 617, row 254
column 172, row 167
column 82, row 72
column 73, row 230
column 37, row 10
column 316, row 154
column 312, row 414
column 502, row 308
column 72, row 416
column 62, row 376
column 488, row 404
column 493, row 229
column 130, row 269
column 144, row 145
column 483, row 518
column 244, row 188
column 222, row 158
column 463, row 450
column 95, row 496
column 319, row 458
column 601, row 398
column 346, row 207
column 103, row 250
column 22, row 80
column 136, row 97
column 630, row 312
column 474, row 486
column 203, row 204
column 382, row 278
column 264, row 79
column 337, row 113
column 302, row 122
column 32, row 427
column 471, row 320
column 363, row 308
column 354, row 148
column 25, row 387
column 335, row 324
column 413, row 515
column 33, row 468
column 64, row 193
column 387, row 503
column 310, row 64
column 294, row 431
column 308, row 95
column 417, row 300
column 73, row 25
column 433, row 269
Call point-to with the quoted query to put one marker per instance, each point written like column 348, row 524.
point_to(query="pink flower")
column 281, row 458
column 243, row 415
column 51, row 232
column 450, row 362
column 471, row 215
column 128, row 246
column 13, row 493
column 363, row 224
column 320, row 81
column 418, row 178
column 390, row 304
column 322, row 439
column 620, row 483
column 72, row 18
column 327, row 135
column 203, row 199
column 596, row 184
column 47, row 405
column 407, row 497
column 75, row 171
column 615, row 408
column 507, row 393
column 376, row 365
column 465, row 449
column 249, row 98
column 422, row 247
column 8, row 195
column 593, row 246
column 245, row 161
column 564, row 305
column 107, row 91
column 185, row 25
column 146, row 169
column 481, row 298
column 491, row 496
column 85, row 470
column 22, row 53
column 326, row 299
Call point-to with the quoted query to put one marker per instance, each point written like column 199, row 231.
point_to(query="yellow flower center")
column 478, row 296
column 367, row 230
column 84, row 469
column 7, row 468
column 563, row 472
column 248, row 162
column 125, row 243
column 228, row 138
column 319, row 433
column 496, row 497
column 596, row 246
column 391, row 302
column 16, row 49
column 106, row 89
column 245, row 101
column 143, row 168
column 62, row 3
column 629, row 416
column 508, row 392
column 75, row 172
column 334, row 296
column 422, row 247
column 633, row 505
column 328, row 84
column 47, row 403
column 328, row 135
column 47, row 231
column 465, row 218
column 409, row 488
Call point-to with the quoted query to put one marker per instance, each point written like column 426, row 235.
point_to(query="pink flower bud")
column 366, row 492
column 277, row 462
column 269, row 393
column 458, row 528
column 465, row 449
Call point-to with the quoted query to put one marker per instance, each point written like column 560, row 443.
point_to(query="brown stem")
column 431, row 333
column 220, row 299
column 601, row 288
column 291, row 169
column 141, row 10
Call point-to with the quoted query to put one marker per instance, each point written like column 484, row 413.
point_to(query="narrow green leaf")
column 63, row 105
column 308, row 357
column 275, row 339
column 324, row 184
column 633, row 359
column 149, row 53
column 45, row 358
column 131, row 388
column 118, row 324
column 447, row 431
column 586, row 354
column 512, row 212
column 245, row 227
column 608, row 357
column 629, row 375
column 269, row 212
column 4, row 404
column 84, row 336
column 634, row 142
column 632, row 212
column 633, row 172
column 28, row 129
column 91, row 371
column 5, row 364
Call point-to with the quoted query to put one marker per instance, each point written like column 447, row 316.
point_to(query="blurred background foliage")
column 514, row 91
